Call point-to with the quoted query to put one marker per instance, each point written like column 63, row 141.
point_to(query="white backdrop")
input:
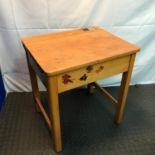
column 133, row 20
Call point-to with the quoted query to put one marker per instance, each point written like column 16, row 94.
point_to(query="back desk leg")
column 34, row 84
column 90, row 88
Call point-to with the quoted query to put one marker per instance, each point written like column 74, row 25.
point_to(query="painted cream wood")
column 112, row 67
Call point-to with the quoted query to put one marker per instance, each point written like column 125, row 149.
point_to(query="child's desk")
column 66, row 60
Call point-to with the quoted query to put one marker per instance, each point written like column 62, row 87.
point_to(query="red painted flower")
column 67, row 79
column 89, row 69
column 100, row 69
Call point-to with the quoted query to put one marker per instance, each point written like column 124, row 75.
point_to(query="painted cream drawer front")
column 92, row 73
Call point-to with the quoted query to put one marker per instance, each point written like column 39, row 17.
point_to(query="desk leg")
column 90, row 88
column 124, row 91
column 54, row 112
column 34, row 84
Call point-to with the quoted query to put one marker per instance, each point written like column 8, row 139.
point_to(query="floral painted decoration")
column 67, row 79
column 89, row 69
column 84, row 77
column 99, row 69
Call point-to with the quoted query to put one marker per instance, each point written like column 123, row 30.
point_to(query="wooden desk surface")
column 63, row 51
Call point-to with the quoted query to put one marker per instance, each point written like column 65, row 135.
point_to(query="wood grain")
column 65, row 51
column 112, row 67
column 124, row 91
column 43, row 112
column 106, row 94
column 34, row 82
column 54, row 112
column 66, row 60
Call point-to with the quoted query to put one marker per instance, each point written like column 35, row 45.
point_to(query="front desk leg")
column 124, row 91
column 54, row 112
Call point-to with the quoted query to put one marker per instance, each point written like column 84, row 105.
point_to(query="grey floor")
column 87, row 125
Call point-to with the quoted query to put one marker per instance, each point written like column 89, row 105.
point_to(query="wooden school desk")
column 67, row 60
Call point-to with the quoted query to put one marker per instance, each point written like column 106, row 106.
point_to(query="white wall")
column 129, row 19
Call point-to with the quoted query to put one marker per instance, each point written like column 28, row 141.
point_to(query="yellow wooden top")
column 62, row 51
